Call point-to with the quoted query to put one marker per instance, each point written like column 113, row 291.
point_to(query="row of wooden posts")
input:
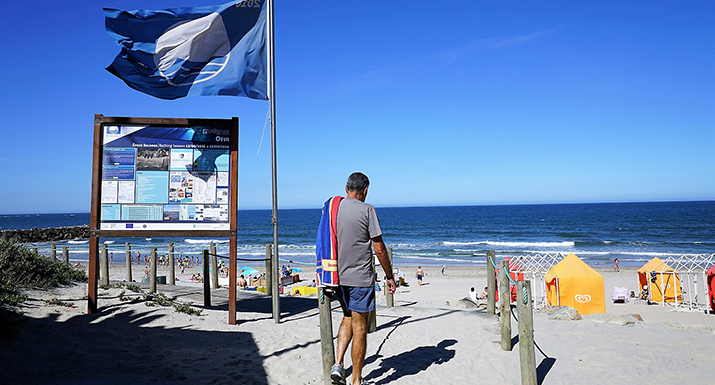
column 524, row 311
column 207, row 255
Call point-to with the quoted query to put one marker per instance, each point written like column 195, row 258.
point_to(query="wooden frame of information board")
column 210, row 128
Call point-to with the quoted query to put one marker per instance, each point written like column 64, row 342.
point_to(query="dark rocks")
column 48, row 234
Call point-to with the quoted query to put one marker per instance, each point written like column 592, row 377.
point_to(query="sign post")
column 164, row 177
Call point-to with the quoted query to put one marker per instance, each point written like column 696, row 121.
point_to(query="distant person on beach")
column 111, row 257
column 242, row 281
column 442, row 269
column 473, row 294
column 419, row 274
column 359, row 232
column 484, row 294
column 617, row 268
column 146, row 272
column 644, row 292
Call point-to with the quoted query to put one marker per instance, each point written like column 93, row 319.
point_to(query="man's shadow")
column 413, row 361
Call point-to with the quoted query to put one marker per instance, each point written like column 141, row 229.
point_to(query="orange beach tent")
column 661, row 281
column 572, row 282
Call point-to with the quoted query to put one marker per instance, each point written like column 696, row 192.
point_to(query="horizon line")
column 423, row 206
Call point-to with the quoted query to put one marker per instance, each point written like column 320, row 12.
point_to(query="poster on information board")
column 166, row 174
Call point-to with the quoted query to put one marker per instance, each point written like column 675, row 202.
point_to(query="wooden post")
column 505, row 305
column 327, row 348
column 372, row 317
column 128, row 260
column 491, row 283
column 390, row 298
column 92, row 270
column 65, row 254
column 152, row 270
column 105, row 265
column 525, row 313
column 232, row 270
column 214, row 267
column 53, row 252
column 207, row 285
column 269, row 269
column 172, row 270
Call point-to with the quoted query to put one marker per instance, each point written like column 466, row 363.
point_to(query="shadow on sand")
column 121, row 345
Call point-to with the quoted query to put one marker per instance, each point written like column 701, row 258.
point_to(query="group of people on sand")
column 197, row 278
column 474, row 297
column 286, row 271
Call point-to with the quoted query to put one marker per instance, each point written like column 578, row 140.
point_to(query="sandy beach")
column 429, row 337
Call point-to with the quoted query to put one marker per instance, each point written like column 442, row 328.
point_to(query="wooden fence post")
column 65, row 254
column 214, row 267
column 390, row 298
column 207, row 277
column 372, row 316
column 524, row 310
column 128, row 260
column 172, row 269
column 269, row 269
column 327, row 348
column 152, row 270
column 505, row 305
column 491, row 283
column 105, row 265
column 53, row 252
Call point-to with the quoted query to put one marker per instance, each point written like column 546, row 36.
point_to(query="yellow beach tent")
column 661, row 281
column 572, row 282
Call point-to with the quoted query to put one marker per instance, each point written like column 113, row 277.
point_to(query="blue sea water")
column 598, row 233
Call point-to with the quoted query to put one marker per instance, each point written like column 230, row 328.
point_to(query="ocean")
column 598, row 233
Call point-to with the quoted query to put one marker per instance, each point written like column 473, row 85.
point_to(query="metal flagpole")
column 275, row 299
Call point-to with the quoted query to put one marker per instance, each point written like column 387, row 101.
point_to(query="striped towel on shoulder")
column 326, row 247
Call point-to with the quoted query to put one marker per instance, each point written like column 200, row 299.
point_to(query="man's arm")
column 381, row 252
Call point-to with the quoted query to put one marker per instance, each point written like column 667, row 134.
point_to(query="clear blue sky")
column 439, row 103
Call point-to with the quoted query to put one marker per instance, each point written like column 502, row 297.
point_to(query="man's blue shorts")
column 357, row 299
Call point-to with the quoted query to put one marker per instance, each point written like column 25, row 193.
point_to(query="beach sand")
column 427, row 338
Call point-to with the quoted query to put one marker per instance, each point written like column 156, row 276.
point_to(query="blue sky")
column 439, row 103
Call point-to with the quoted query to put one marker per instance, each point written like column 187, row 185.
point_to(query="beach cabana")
column 663, row 283
column 516, row 274
column 572, row 282
column 711, row 287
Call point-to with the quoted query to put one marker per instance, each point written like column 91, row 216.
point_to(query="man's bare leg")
column 345, row 334
column 359, row 334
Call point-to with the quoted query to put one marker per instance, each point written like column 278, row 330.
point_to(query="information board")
column 163, row 177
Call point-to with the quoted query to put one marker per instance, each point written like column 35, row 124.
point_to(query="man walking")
column 358, row 231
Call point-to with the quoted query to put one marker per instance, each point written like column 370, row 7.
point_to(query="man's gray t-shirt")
column 357, row 225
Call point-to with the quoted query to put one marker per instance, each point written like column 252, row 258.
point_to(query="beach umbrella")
column 245, row 268
column 297, row 270
column 250, row 271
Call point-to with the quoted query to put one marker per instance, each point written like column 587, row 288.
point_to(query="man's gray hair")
column 357, row 181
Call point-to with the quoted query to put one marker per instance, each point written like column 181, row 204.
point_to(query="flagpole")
column 275, row 299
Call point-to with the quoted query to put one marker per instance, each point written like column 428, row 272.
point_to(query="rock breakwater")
column 45, row 234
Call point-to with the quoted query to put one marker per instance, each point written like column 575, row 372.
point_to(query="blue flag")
column 212, row 50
